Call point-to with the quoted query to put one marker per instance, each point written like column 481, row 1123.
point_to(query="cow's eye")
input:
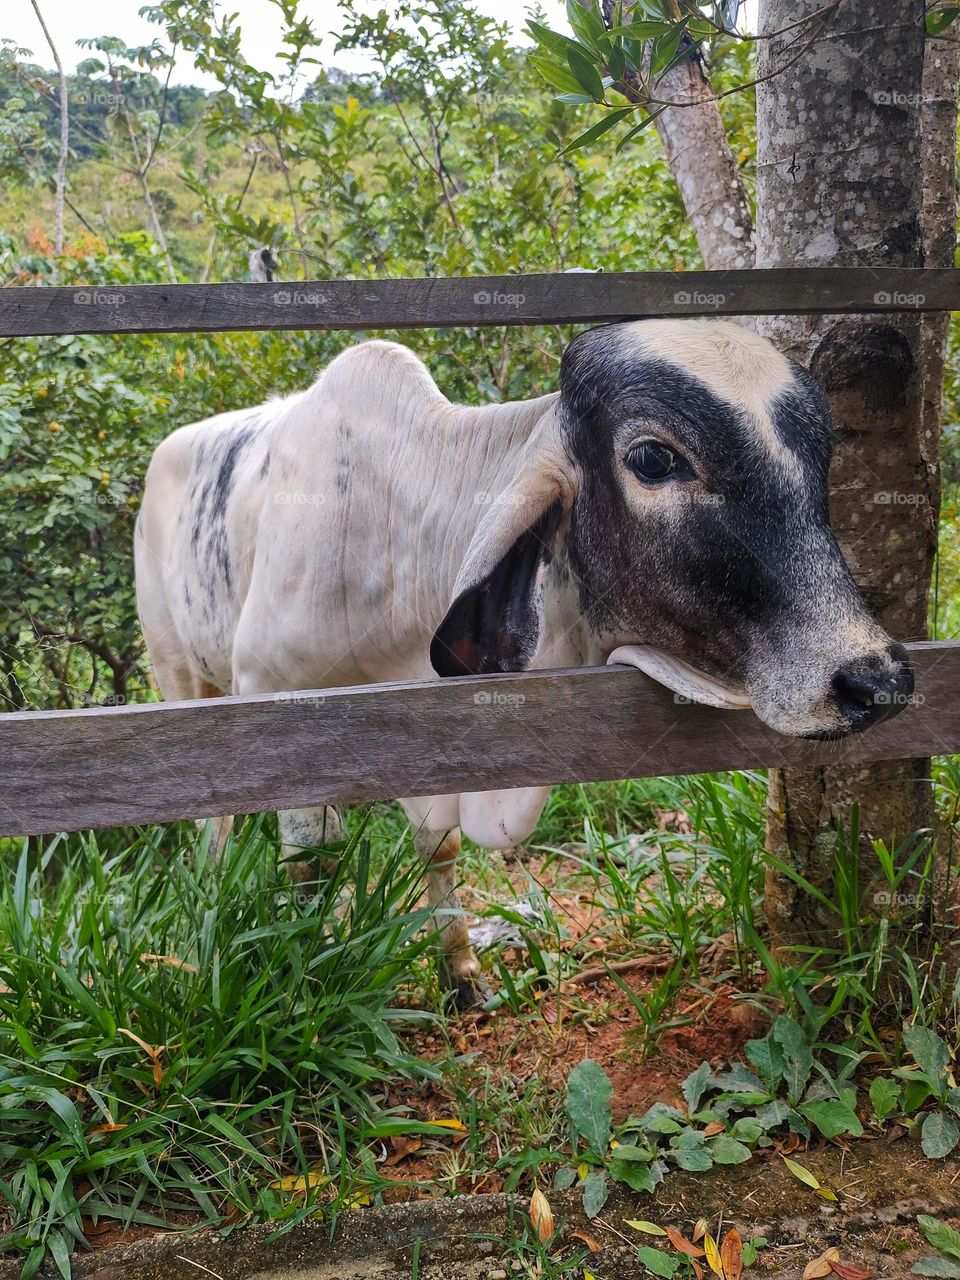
column 651, row 461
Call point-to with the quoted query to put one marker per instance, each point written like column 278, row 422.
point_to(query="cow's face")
column 695, row 513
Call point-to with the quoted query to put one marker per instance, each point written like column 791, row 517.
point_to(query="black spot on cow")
column 198, row 504
column 202, row 663
column 210, row 502
column 265, row 466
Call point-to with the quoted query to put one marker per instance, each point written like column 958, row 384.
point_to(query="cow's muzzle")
column 870, row 688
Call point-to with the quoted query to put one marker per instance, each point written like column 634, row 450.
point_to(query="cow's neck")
column 480, row 451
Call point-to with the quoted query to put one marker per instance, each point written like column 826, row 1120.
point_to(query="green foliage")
column 783, row 1085
column 931, row 1081
column 940, row 17
column 178, row 1034
column 628, row 59
column 944, row 1238
column 588, row 1106
column 422, row 168
column 728, row 1114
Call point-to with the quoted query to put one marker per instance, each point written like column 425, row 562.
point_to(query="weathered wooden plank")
column 470, row 301
column 62, row 771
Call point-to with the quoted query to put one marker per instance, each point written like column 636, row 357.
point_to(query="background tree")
column 64, row 131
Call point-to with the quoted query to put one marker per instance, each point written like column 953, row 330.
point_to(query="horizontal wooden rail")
column 112, row 766
column 470, row 301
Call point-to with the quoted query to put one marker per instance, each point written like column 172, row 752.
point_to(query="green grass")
column 177, row 1035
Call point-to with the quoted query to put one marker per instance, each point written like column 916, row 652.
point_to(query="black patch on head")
column 721, row 553
column 800, row 415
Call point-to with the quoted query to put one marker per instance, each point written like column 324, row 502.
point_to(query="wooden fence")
column 69, row 770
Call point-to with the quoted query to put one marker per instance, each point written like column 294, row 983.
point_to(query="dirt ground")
column 595, row 1021
column 587, row 1015
column 881, row 1188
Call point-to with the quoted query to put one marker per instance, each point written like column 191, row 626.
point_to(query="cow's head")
column 684, row 471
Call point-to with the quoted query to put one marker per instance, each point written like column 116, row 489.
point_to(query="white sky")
column 70, row 21
column 260, row 23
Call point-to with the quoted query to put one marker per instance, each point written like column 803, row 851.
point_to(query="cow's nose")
column 873, row 688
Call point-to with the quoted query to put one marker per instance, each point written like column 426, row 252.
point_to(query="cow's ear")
column 493, row 623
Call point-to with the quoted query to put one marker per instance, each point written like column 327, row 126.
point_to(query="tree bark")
column 64, row 135
column 705, row 169
column 840, row 183
column 701, row 160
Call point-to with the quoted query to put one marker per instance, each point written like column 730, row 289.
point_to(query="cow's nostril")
column 861, row 690
column 873, row 688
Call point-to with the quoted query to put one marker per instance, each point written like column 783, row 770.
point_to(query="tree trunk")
column 701, row 160
column 840, row 183
column 705, row 169
column 64, row 136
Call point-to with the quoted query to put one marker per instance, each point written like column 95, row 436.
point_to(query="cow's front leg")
column 308, row 829
column 461, row 968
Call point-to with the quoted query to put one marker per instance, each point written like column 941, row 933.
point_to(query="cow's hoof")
column 469, row 992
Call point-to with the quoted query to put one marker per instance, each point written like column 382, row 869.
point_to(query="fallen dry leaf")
column 699, row 1230
column 697, row 1269
column 801, row 1174
column 648, row 1228
column 847, row 1271
column 731, row 1255
column 683, row 1245
column 174, row 961
column 402, row 1147
column 300, row 1183
column 712, row 1254
column 820, row 1267
column 541, row 1215
column 456, row 1125
column 712, row 1129
column 152, row 1053
column 593, row 1245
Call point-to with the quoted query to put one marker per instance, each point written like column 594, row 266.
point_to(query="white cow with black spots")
column 670, row 502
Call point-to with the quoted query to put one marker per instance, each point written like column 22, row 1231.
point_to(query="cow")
column 667, row 506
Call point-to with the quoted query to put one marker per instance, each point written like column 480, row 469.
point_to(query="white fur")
column 736, row 364
column 347, row 553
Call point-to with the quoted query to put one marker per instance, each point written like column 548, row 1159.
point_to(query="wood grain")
column 472, row 301
column 69, row 770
